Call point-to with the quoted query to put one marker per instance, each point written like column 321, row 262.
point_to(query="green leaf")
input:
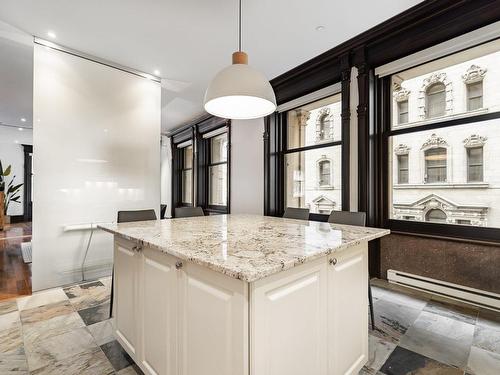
column 7, row 171
column 13, row 189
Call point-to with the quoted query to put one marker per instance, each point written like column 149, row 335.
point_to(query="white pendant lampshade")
column 240, row 92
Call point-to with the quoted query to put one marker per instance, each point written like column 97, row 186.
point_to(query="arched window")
column 435, row 216
column 435, row 100
column 435, row 165
column 323, row 127
column 324, row 172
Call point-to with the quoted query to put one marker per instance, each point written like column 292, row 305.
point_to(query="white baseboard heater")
column 458, row 292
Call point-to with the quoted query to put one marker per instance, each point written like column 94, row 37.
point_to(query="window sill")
column 464, row 185
column 433, row 120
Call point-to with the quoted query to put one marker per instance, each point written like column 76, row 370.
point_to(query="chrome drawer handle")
column 178, row 264
column 333, row 261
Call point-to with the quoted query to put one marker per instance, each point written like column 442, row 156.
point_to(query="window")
column 474, row 96
column 435, row 216
column 403, row 112
column 475, row 164
column 313, row 156
column 435, row 165
column 324, row 168
column 453, row 146
column 187, row 175
column 217, row 171
column 200, row 166
column 436, row 100
column 403, row 169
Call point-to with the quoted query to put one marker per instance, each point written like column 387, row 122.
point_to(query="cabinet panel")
column 214, row 323
column 159, row 304
column 348, row 311
column 289, row 315
column 125, row 294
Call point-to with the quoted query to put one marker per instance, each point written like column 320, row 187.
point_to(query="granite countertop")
column 245, row 247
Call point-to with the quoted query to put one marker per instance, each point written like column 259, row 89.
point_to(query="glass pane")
column 460, row 85
column 314, row 179
column 187, row 177
column 450, row 169
column 318, row 122
column 188, row 157
column 218, row 146
column 218, row 185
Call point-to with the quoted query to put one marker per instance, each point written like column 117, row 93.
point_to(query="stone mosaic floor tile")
column 462, row 312
column 11, row 341
column 392, row 320
column 483, row 362
column 487, row 339
column 95, row 314
column 8, row 306
column 43, row 330
column 10, row 320
column 130, row 370
column 489, row 319
column 45, row 312
column 13, row 364
column 441, row 338
column 102, row 332
column 57, row 348
column 379, row 350
column 87, row 295
column 41, row 298
column 406, row 362
column 91, row 362
column 116, row 355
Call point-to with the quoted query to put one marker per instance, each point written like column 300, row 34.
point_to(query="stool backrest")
column 189, row 212
column 136, row 215
column 348, row 218
column 296, row 213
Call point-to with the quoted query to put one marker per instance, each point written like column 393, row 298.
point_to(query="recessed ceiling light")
column 23, row 119
column 320, row 28
column 20, row 129
column 51, row 34
column 156, row 72
column 16, row 141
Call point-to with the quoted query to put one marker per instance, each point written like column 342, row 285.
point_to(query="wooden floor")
column 15, row 275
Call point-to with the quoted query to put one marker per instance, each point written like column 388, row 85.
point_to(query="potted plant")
column 9, row 192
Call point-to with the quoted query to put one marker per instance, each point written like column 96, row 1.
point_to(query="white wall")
column 96, row 151
column 166, row 174
column 247, row 166
column 12, row 153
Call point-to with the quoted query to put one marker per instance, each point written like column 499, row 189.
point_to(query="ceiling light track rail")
column 95, row 59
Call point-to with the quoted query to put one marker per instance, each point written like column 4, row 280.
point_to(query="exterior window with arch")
column 313, row 156
column 441, row 168
column 435, row 100
column 435, row 215
column 324, row 173
column 324, row 131
column 435, row 165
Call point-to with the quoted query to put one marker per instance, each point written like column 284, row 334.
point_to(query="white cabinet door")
column 126, row 275
column 213, row 323
column 288, row 312
column 158, row 290
column 348, row 310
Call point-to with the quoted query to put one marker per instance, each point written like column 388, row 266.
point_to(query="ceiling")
column 188, row 41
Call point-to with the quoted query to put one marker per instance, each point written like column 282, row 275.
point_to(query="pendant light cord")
column 239, row 27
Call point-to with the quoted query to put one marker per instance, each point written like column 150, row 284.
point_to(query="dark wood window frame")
column 474, row 233
column 201, row 161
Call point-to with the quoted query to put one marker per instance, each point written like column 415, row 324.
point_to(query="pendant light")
column 239, row 91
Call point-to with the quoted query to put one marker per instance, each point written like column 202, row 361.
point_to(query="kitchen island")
column 242, row 294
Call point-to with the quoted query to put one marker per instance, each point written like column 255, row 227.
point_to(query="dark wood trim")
column 345, row 67
column 363, row 132
column 17, row 219
column 28, row 172
column 424, row 25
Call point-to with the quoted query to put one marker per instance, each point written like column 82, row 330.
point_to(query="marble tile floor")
column 67, row 331
column 418, row 333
